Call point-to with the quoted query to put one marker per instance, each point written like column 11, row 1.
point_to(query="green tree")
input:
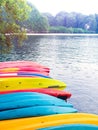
column 12, row 12
column 36, row 22
column 61, row 18
column 50, row 18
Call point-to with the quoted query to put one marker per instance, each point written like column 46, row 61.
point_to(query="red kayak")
column 53, row 92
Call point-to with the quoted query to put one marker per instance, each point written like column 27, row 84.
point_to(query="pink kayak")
column 29, row 69
column 53, row 92
column 16, row 64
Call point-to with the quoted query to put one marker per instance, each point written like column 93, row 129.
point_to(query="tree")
column 61, row 18
column 36, row 22
column 12, row 12
column 51, row 19
column 39, row 23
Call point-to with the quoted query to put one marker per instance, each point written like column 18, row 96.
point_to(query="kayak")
column 32, row 102
column 26, row 72
column 29, row 83
column 15, row 64
column 33, row 123
column 32, row 74
column 22, row 74
column 73, row 127
column 35, row 111
column 62, row 94
column 27, row 69
column 24, row 96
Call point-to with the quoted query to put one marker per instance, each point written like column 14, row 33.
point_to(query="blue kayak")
column 72, row 127
column 32, row 74
column 29, row 102
column 35, row 111
column 11, row 97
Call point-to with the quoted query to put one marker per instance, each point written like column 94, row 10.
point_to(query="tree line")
column 63, row 22
column 72, row 22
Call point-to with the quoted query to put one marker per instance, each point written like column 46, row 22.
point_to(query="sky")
column 54, row 6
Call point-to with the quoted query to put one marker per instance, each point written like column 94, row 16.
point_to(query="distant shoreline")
column 61, row 34
column 57, row 34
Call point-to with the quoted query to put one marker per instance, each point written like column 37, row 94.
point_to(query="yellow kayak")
column 34, row 123
column 29, row 82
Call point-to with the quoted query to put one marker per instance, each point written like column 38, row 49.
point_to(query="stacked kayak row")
column 30, row 104
column 23, row 66
column 17, row 76
column 31, row 99
column 26, row 75
column 25, row 94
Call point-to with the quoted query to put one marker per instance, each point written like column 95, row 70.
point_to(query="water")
column 72, row 59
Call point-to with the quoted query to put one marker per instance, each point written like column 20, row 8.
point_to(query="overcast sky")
column 55, row 6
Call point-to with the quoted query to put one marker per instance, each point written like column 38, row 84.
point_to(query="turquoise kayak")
column 22, row 103
column 72, row 127
column 11, row 97
column 32, row 74
column 35, row 111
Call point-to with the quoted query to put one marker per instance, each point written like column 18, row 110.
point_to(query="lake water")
column 72, row 59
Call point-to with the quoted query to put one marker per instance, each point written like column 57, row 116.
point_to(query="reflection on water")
column 72, row 59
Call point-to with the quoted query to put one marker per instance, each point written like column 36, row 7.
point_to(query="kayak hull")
column 22, row 74
column 29, row 83
column 34, row 111
column 73, row 127
column 16, row 64
column 28, row 104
